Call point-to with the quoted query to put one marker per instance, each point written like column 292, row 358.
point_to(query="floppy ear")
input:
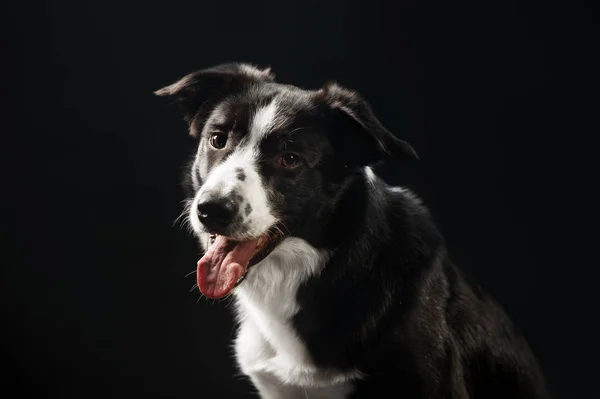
column 363, row 138
column 197, row 93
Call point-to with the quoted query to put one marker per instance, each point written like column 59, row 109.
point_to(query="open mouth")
column 226, row 261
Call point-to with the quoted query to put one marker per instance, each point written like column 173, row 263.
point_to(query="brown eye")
column 218, row 140
column 289, row 160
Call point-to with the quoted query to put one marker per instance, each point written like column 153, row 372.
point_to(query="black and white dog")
column 343, row 285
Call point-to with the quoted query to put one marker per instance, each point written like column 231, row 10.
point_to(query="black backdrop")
column 497, row 97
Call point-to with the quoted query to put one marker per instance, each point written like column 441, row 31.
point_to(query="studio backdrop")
column 98, row 275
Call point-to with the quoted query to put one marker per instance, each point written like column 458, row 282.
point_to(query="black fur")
column 390, row 302
column 240, row 174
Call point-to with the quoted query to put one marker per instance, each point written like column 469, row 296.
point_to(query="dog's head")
column 271, row 162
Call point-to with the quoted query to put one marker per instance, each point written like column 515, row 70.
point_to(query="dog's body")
column 342, row 284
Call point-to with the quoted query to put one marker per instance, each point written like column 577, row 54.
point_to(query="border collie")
column 343, row 285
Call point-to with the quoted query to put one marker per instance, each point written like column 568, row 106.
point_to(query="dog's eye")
column 218, row 140
column 289, row 160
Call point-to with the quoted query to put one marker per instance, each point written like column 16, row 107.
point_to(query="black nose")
column 216, row 214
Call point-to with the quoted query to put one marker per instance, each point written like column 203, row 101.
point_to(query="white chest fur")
column 267, row 347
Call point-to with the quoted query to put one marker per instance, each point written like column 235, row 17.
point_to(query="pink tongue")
column 223, row 265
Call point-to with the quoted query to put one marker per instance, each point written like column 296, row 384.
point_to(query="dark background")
column 498, row 98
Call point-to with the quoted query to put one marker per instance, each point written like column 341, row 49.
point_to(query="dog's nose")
column 216, row 214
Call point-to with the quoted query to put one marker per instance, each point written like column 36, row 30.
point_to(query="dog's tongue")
column 223, row 265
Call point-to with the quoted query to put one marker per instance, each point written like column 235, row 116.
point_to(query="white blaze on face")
column 263, row 121
column 224, row 181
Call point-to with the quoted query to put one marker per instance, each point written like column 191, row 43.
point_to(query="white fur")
column 407, row 193
column 267, row 347
column 263, row 121
column 371, row 178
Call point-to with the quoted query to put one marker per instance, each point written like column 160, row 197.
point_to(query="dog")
column 342, row 284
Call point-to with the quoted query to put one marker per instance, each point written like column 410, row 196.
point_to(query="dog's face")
column 272, row 160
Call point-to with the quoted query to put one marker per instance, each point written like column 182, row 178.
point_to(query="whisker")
column 297, row 129
column 178, row 219
column 185, row 217
column 201, row 297
column 230, row 302
column 190, row 273
column 184, row 213
column 277, row 229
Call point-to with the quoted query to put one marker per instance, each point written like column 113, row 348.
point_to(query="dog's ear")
column 197, row 93
column 362, row 137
